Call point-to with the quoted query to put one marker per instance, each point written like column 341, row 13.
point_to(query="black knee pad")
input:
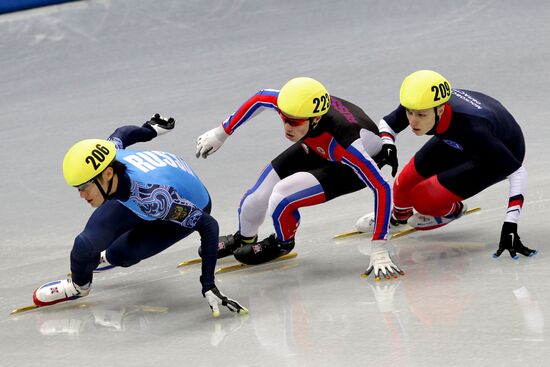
column 84, row 251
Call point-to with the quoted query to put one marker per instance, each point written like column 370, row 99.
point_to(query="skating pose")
column 332, row 155
column 476, row 143
column 145, row 202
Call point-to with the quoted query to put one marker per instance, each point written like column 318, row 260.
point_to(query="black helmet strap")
column 105, row 195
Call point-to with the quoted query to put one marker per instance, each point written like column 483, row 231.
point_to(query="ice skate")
column 228, row 244
column 366, row 223
column 58, row 291
column 266, row 250
column 422, row 222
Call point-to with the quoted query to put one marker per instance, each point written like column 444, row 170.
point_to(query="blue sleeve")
column 209, row 231
column 397, row 120
column 127, row 135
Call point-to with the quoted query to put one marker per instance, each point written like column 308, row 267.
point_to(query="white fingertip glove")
column 381, row 263
column 210, row 141
column 214, row 298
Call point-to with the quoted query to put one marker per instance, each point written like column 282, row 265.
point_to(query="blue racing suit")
column 159, row 200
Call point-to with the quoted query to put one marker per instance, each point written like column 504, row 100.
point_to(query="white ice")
column 81, row 69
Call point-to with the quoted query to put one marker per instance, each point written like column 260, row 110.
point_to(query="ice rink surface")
column 82, row 69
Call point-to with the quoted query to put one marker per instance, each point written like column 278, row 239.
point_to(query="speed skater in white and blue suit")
column 335, row 152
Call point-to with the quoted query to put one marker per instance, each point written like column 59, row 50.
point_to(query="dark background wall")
column 8, row 6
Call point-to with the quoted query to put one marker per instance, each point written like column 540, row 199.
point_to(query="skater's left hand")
column 381, row 264
column 214, row 298
column 509, row 240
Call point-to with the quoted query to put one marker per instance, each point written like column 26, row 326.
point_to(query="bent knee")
column 408, row 178
column 83, row 249
column 429, row 197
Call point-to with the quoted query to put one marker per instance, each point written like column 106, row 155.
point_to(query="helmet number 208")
column 321, row 104
column 97, row 156
column 441, row 91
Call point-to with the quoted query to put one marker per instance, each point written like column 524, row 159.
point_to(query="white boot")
column 58, row 291
column 366, row 223
column 426, row 222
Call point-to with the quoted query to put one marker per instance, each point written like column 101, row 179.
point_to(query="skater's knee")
column 254, row 199
column 423, row 201
column 407, row 179
column 277, row 200
column 83, row 249
column 430, row 198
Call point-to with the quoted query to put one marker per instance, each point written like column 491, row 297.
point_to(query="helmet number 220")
column 441, row 91
column 97, row 156
column 321, row 104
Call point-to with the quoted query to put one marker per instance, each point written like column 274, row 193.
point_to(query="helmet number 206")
column 441, row 91
column 321, row 104
column 97, row 156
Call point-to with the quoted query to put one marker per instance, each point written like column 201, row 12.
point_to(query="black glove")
column 388, row 155
column 509, row 240
column 161, row 124
column 214, row 298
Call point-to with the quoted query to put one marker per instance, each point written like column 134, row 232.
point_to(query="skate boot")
column 423, row 222
column 266, row 250
column 228, row 244
column 58, row 291
column 103, row 263
column 398, row 220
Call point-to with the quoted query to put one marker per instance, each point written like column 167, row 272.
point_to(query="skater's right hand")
column 509, row 240
column 214, row 298
column 381, row 264
column 210, row 141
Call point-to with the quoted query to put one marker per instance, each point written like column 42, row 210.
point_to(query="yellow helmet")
column 86, row 160
column 424, row 89
column 303, row 97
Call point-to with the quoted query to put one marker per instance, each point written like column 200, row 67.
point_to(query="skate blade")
column 189, row 262
column 239, row 266
column 347, row 234
column 60, row 304
column 199, row 261
column 397, row 234
column 23, row 309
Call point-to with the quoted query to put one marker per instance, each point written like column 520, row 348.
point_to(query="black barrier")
column 8, row 6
